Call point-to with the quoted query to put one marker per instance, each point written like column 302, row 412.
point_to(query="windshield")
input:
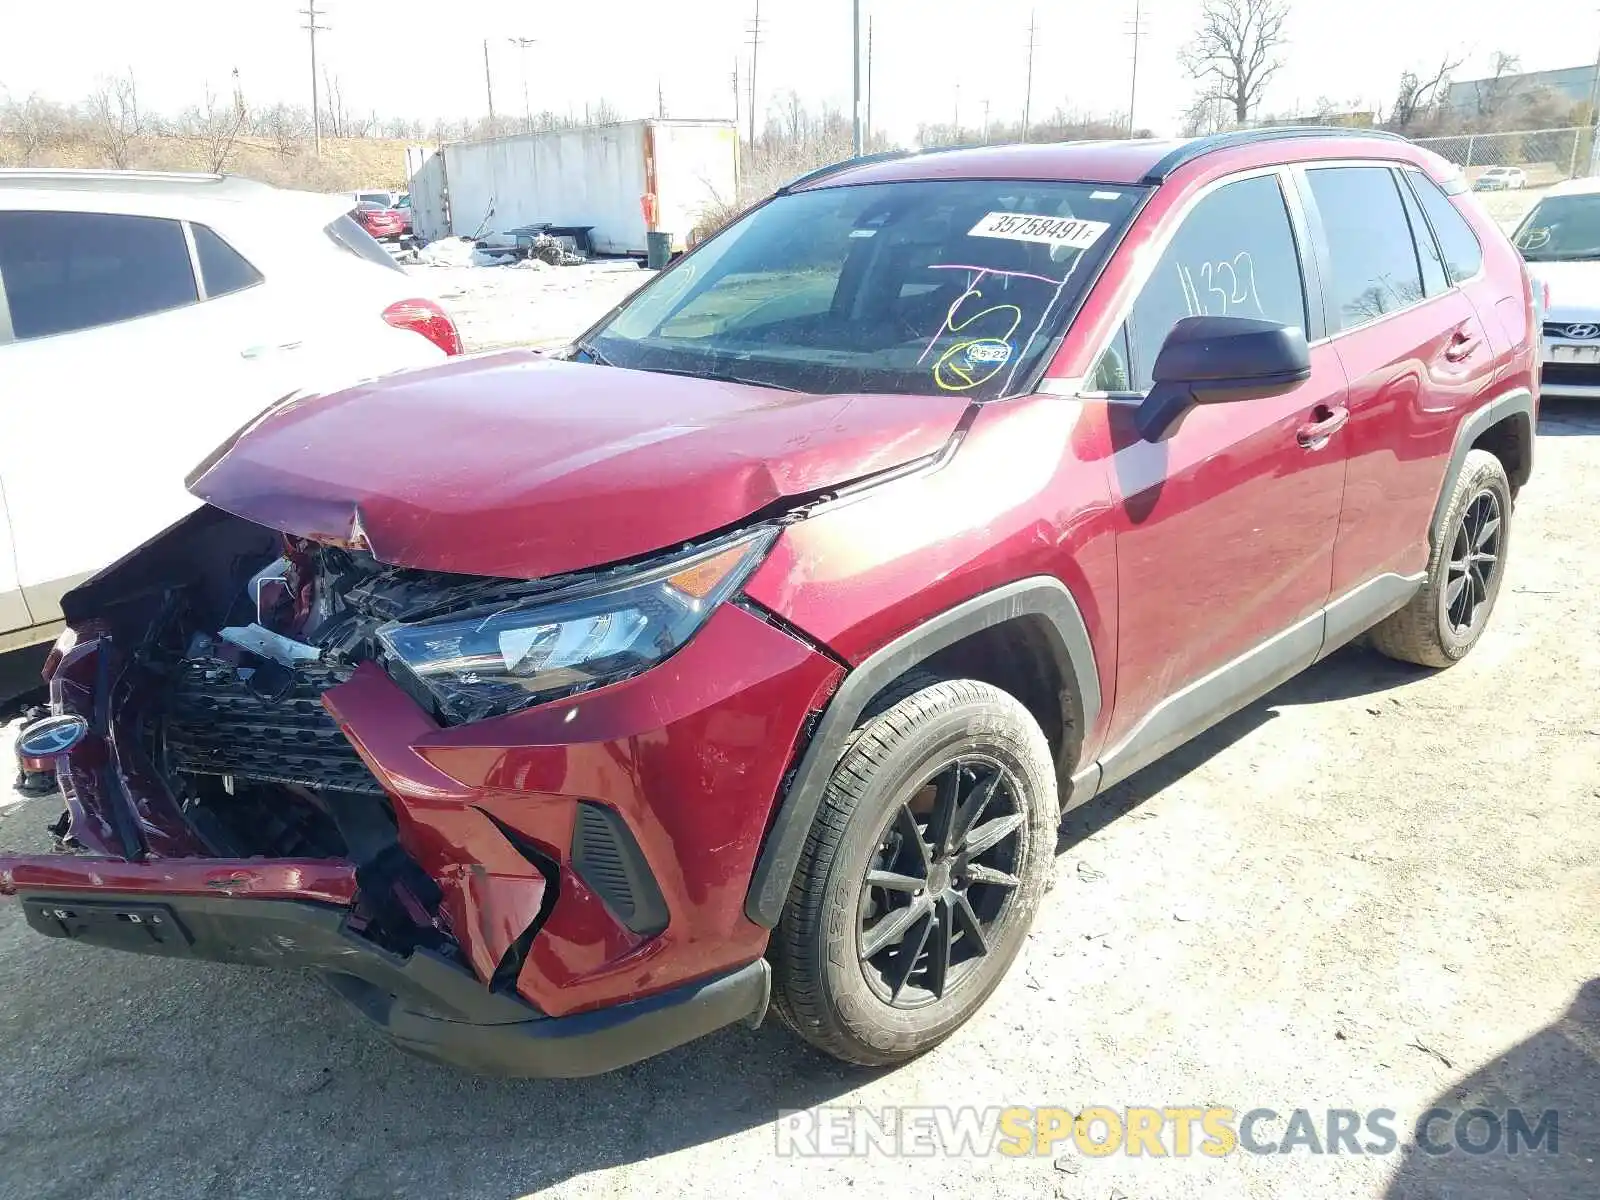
column 918, row 287
column 1561, row 228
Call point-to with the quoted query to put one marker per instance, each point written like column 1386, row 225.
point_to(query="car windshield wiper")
column 588, row 348
column 722, row 378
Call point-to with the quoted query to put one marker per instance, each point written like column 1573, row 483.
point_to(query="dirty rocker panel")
column 1201, row 704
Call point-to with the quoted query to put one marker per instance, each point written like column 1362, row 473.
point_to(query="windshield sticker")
column 1105, row 195
column 977, row 359
column 862, row 232
column 1048, row 231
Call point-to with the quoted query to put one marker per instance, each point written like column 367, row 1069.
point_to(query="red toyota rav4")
column 561, row 708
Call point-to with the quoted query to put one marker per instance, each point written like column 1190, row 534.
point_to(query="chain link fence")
column 1546, row 156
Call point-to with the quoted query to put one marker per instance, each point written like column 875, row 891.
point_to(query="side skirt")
column 1235, row 684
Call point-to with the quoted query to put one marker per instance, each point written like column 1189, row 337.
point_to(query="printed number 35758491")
column 1049, row 231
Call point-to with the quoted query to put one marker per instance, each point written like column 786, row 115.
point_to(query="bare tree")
column 216, row 125
column 289, row 127
column 1206, row 114
column 1238, row 50
column 1493, row 93
column 1417, row 95
column 36, row 125
column 114, row 118
column 335, row 116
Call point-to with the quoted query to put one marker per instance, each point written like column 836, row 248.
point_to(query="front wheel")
column 1446, row 618
column 920, row 878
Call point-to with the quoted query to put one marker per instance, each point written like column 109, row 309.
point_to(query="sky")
column 932, row 59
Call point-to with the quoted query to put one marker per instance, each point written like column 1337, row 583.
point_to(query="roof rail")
column 843, row 165
column 1200, row 147
column 110, row 174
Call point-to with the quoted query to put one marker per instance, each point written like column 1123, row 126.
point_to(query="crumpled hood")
column 521, row 466
column 1574, row 289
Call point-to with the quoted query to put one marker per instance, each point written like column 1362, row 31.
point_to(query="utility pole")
column 522, row 44
column 755, row 50
column 661, row 100
column 736, row 156
column 1594, row 120
column 855, row 73
column 869, row 81
column 1027, row 99
column 1136, row 33
column 310, row 13
column 488, row 85
column 955, row 117
column 986, row 122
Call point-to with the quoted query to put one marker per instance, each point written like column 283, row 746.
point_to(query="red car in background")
column 561, row 708
column 380, row 222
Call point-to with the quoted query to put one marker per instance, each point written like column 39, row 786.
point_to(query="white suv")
column 144, row 318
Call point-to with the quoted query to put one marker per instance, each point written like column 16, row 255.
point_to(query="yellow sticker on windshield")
column 1048, row 231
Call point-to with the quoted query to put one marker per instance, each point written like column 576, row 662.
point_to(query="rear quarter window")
column 222, row 268
column 1463, row 255
column 66, row 271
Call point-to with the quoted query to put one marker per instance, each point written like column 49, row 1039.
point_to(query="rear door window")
column 1373, row 266
column 71, row 271
column 1234, row 255
column 1463, row 255
column 222, row 267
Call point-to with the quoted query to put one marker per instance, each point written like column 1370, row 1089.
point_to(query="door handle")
column 263, row 351
column 1462, row 346
column 1314, row 434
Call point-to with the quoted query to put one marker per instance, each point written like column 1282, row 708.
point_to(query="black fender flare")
column 1040, row 596
column 1516, row 403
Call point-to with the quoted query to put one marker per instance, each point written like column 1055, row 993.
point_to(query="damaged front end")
column 286, row 762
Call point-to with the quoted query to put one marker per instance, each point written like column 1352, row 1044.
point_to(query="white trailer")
column 596, row 176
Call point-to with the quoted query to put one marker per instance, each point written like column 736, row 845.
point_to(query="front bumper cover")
column 427, row 1004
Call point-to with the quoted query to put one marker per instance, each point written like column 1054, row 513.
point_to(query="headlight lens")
column 492, row 661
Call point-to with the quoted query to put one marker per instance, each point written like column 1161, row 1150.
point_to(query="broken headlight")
column 492, row 661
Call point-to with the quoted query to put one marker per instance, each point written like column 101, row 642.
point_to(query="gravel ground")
column 1377, row 888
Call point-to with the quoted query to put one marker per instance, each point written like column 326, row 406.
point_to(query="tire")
column 1427, row 631
column 956, row 752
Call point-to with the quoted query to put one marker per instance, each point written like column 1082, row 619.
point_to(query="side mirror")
column 1215, row 360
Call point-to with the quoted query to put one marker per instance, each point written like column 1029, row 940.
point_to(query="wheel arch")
column 997, row 632
column 1505, row 428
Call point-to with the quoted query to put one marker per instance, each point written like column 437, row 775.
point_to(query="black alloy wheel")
column 941, row 880
column 1474, row 563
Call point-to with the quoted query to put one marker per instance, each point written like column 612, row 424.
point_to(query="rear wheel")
column 921, row 875
column 1446, row 618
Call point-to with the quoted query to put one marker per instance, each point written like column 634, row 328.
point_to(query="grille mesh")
column 216, row 725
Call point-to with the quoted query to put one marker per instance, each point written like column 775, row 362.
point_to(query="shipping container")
column 597, row 176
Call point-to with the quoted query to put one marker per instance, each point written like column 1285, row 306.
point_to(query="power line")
column 755, row 49
column 523, row 44
column 309, row 12
column 1027, row 99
